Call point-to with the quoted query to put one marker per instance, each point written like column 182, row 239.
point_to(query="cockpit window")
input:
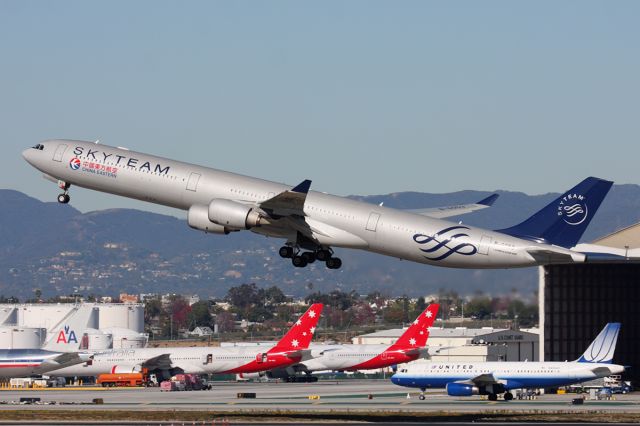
column 39, row 147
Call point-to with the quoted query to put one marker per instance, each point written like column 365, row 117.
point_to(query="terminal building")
column 100, row 325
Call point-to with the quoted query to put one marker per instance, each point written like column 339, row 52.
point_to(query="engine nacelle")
column 230, row 214
column 198, row 218
column 124, row 369
column 249, row 376
column 461, row 389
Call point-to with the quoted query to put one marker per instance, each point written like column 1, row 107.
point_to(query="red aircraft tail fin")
column 301, row 332
column 418, row 332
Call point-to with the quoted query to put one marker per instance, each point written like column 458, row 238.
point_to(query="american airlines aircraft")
column 493, row 378
column 291, row 349
column 409, row 347
column 31, row 362
column 313, row 223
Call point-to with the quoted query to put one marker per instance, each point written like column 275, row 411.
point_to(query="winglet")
column 302, row 187
column 418, row 332
column 489, row 200
column 301, row 332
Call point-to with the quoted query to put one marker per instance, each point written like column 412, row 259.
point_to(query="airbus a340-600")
column 313, row 223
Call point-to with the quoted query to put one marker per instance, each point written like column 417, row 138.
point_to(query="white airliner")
column 410, row 346
column 494, row 378
column 312, row 223
column 166, row 362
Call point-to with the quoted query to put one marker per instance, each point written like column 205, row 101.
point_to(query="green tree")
column 200, row 314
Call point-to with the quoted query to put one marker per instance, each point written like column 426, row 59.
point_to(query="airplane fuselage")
column 512, row 375
column 331, row 221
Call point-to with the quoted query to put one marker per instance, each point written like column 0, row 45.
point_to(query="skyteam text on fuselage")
column 313, row 223
column 493, row 378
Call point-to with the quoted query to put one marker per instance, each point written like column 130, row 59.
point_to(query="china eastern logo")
column 573, row 209
column 67, row 336
column 74, row 163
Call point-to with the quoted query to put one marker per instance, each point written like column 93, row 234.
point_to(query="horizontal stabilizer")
column 456, row 210
column 548, row 257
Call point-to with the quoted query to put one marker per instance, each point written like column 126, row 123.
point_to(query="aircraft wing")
column 65, row 359
column 446, row 211
column 160, row 362
column 484, row 380
column 289, row 202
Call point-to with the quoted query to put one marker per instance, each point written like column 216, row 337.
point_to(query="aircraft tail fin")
column 418, row 332
column 69, row 334
column 602, row 348
column 563, row 221
column 301, row 332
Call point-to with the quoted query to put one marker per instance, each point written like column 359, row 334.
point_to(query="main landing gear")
column 302, row 259
column 64, row 198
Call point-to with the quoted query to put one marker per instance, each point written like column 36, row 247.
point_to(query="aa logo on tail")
column 67, row 336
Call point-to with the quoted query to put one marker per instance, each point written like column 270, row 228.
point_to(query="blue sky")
column 362, row 97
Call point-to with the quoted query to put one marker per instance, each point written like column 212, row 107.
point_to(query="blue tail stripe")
column 563, row 221
column 603, row 347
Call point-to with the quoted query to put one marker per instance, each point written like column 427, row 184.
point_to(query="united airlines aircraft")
column 313, row 223
column 494, row 378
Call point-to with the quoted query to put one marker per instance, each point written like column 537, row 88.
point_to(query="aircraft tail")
column 69, row 334
column 564, row 220
column 418, row 332
column 301, row 332
column 602, row 348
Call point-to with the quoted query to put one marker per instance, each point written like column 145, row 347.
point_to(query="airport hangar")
column 577, row 300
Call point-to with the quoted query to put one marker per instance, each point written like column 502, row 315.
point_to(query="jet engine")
column 461, row 389
column 249, row 376
column 198, row 218
column 230, row 214
column 125, row 369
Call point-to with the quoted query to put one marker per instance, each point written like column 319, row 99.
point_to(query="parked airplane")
column 30, row 362
column 292, row 348
column 409, row 347
column 312, row 223
column 494, row 378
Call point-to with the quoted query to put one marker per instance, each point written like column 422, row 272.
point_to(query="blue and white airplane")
column 494, row 378
column 314, row 223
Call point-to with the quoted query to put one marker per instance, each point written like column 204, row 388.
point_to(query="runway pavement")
column 368, row 396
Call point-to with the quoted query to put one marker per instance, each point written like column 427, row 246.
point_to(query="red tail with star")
column 416, row 335
column 301, row 332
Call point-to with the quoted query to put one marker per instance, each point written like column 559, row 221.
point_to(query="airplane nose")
column 27, row 154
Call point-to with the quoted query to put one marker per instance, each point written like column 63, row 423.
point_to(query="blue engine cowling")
column 461, row 389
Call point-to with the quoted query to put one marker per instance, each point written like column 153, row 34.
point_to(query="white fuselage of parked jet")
column 321, row 221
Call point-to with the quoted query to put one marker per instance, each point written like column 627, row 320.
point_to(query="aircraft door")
column 209, row 359
column 260, row 358
column 485, row 242
column 372, row 223
column 57, row 156
column 192, row 184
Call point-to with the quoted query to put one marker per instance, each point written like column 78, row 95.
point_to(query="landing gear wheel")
column 286, row 252
column 422, row 397
column 508, row 396
column 493, row 397
column 334, row 263
column 309, row 256
column 323, row 255
column 299, row 261
column 63, row 198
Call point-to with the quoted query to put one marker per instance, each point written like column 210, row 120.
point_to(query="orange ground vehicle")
column 122, row 379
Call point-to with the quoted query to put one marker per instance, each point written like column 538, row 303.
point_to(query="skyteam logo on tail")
column 573, row 209
column 74, row 163
column 443, row 244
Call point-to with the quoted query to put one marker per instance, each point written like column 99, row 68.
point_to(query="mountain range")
column 58, row 249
